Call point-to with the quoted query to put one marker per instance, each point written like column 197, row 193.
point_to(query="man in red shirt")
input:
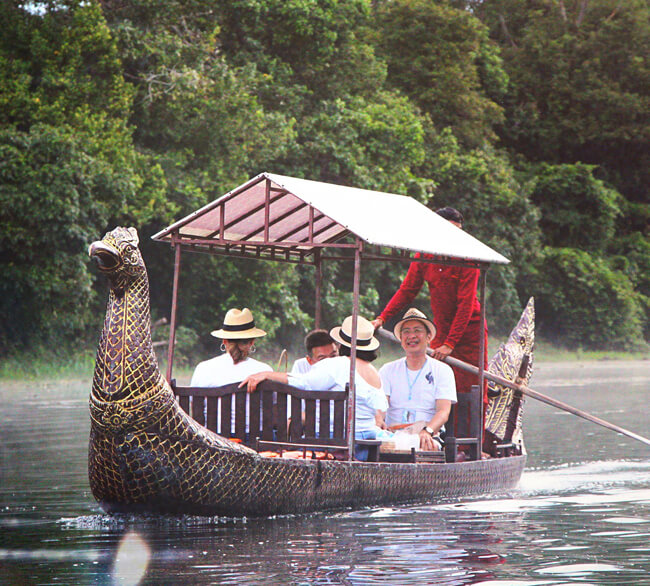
column 455, row 307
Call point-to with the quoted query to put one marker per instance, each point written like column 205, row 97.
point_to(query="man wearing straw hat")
column 420, row 390
column 455, row 308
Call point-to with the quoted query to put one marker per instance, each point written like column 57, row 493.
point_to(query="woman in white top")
column 334, row 374
column 238, row 336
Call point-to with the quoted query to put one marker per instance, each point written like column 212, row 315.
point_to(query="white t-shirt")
column 333, row 374
column 301, row 366
column 412, row 393
column 220, row 371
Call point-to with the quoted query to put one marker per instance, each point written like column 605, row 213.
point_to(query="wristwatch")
column 429, row 431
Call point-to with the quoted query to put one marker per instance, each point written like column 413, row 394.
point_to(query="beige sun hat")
column 416, row 314
column 365, row 331
column 238, row 325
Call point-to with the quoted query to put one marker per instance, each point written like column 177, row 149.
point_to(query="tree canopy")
column 529, row 116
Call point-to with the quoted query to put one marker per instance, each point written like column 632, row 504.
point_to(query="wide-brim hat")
column 365, row 339
column 238, row 325
column 416, row 314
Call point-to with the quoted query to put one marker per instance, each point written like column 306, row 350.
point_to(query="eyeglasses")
column 417, row 331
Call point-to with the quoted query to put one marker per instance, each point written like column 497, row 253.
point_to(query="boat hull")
column 147, row 454
column 251, row 485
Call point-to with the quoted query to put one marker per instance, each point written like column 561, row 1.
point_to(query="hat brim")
column 397, row 330
column 336, row 335
column 243, row 335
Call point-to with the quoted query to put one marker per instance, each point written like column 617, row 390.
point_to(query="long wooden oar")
column 524, row 390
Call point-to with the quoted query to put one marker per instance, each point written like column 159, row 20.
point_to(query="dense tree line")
column 531, row 116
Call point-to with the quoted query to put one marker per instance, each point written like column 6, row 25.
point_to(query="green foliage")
column 368, row 144
column 579, row 78
column 631, row 255
column 136, row 112
column 584, row 303
column 68, row 169
column 198, row 116
column 320, row 43
column 48, row 362
column 578, row 210
column 578, row 97
column 210, row 286
column 55, row 198
column 440, row 56
column 497, row 210
column 64, row 64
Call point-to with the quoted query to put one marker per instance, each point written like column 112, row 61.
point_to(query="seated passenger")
column 238, row 336
column 319, row 344
column 420, row 390
column 334, row 374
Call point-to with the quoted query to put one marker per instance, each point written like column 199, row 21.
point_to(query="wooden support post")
column 353, row 348
column 172, row 321
column 319, row 280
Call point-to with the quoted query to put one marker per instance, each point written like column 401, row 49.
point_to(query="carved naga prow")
column 142, row 444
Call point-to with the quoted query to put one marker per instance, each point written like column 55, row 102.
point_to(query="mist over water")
column 581, row 514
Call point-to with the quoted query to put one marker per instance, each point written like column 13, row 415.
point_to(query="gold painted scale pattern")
column 507, row 362
column 146, row 453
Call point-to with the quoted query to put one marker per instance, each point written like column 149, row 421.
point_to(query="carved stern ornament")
column 514, row 361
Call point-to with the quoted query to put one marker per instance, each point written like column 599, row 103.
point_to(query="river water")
column 581, row 514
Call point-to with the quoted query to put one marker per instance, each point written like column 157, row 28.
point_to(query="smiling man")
column 420, row 389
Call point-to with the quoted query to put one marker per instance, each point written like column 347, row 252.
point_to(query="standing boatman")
column 456, row 309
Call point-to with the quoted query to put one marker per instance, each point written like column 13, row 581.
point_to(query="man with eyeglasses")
column 455, row 308
column 420, row 389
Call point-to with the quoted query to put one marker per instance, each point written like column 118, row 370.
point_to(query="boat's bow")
column 141, row 441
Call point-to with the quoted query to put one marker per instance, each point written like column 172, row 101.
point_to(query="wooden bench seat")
column 270, row 413
column 322, row 426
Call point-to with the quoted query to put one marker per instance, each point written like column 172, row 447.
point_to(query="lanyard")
column 408, row 379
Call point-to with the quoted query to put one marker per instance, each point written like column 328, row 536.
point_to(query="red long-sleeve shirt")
column 452, row 292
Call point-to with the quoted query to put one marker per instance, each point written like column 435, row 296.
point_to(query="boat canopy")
column 282, row 218
column 286, row 219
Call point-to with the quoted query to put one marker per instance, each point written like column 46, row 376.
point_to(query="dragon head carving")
column 118, row 257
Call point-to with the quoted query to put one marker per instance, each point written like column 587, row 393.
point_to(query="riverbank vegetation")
column 48, row 364
column 530, row 117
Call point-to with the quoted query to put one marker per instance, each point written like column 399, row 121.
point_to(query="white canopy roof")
column 276, row 212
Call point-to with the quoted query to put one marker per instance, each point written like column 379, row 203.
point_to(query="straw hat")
column 365, row 339
column 416, row 314
column 238, row 325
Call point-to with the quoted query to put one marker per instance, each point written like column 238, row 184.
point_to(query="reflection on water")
column 580, row 516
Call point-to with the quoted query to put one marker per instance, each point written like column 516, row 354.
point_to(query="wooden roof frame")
column 308, row 250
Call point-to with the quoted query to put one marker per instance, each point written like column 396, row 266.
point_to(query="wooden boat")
column 146, row 453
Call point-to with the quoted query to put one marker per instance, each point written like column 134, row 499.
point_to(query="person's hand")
column 252, row 381
column 377, row 323
column 426, row 442
column 442, row 352
column 379, row 420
